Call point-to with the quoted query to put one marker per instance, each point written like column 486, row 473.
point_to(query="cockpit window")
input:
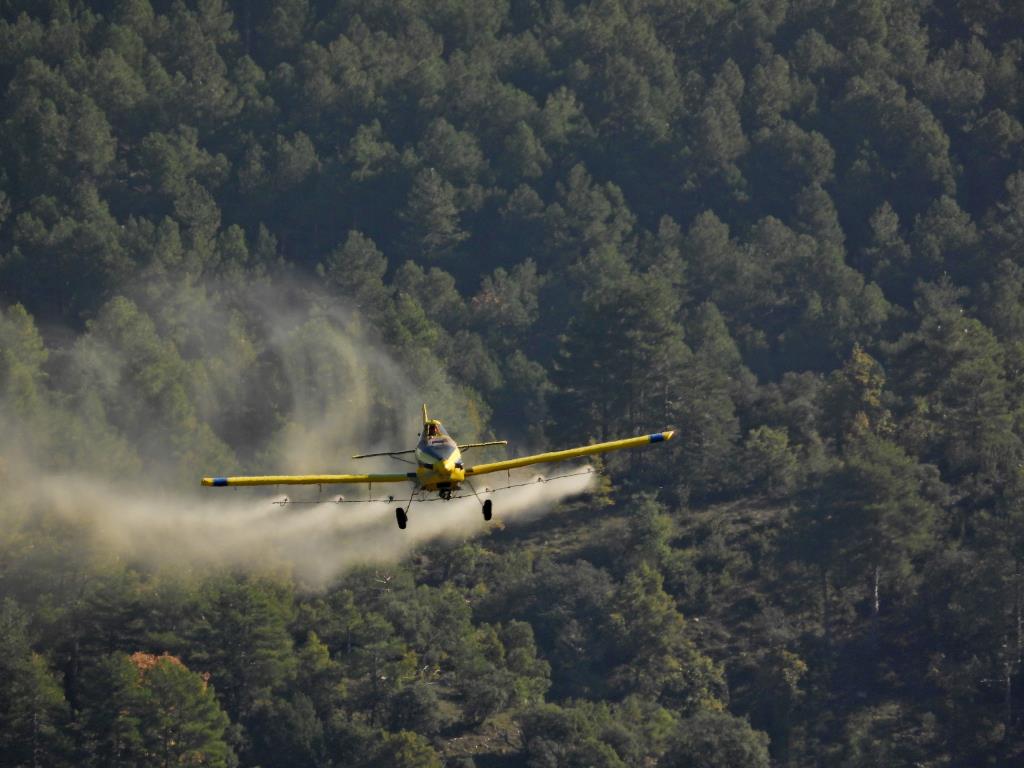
column 440, row 448
column 436, row 429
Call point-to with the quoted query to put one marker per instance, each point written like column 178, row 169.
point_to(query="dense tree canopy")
column 232, row 233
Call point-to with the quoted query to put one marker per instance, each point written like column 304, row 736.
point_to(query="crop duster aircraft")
column 439, row 466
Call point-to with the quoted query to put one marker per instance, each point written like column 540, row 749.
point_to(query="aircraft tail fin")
column 425, row 417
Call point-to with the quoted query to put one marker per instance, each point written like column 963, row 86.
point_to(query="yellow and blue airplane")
column 439, row 465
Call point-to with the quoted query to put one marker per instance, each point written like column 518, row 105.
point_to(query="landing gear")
column 402, row 515
column 487, row 502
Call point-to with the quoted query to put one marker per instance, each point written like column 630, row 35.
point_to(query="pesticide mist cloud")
column 342, row 394
column 243, row 528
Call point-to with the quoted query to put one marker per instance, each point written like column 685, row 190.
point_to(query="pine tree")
column 22, row 355
column 357, row 269
column 866, row 520
column 625, row 331
column 244, row 643
column 717, row 740
column 179, row 718
column 110, row 715
column 952, row 372
column 431, row 217
column 33, row 712
column 655, row 657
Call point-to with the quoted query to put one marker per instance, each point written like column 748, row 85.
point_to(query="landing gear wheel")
column 401, row 517
column 487, row 510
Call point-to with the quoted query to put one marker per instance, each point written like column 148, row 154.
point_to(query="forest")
column 243, row 236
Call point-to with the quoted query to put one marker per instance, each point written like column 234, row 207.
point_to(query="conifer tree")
column 179, row 718
column 431, row 217
column 656, row 658
column 33, row 713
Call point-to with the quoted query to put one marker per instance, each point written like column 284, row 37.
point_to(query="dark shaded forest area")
column 791, row 229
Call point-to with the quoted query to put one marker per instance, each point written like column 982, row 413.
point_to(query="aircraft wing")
column 306, row 479
column 571, row 453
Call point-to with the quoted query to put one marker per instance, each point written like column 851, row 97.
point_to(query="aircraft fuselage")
column 438, row 461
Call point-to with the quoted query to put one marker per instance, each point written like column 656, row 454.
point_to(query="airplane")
column 439, row 466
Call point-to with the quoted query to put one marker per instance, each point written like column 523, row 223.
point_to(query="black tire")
column 401, row 517
column 487, row 510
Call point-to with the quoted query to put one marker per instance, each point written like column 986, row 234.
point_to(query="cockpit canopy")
column 434, row 428
column 436, row 444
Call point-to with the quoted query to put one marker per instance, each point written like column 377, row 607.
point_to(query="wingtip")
column 669, row 434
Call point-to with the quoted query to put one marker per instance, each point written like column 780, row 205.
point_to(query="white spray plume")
column 245, row 528
column 346, row 396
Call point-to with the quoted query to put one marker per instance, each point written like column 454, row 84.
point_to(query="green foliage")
column 710, row 384
column 953, row 373
column 484, row 687
column 657, row 658
column 778, row 690
column 870, row 517
column 488, row 196
column 143, row 385
column 244, row 638
column 406, row 750
column 887, row 734
column 531, row 674
column 112, row 704
column 626, row 329
column 431, row 217
column 854, row 398
column 650, row 532
column 769, row 461
column 33, row 712
column 717, row 739
column 179, row 717
column 415, row 708
column 23, row 356
column 357, row 269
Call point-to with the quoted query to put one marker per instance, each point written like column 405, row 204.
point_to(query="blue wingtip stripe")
column 220, row 481
column 657, row 437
